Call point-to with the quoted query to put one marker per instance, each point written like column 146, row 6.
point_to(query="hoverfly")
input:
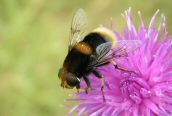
column 96, row 49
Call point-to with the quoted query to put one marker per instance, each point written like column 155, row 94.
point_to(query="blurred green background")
column 33, row 44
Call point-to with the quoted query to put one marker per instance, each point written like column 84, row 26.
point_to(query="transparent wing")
column 101, row 52
column 122, row 48
column 78, row 27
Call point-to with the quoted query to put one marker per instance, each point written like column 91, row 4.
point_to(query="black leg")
column 100, row 77
column 86, row 79
column 78, row 87
column 123, row 69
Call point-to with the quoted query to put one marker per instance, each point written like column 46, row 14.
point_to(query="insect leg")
column 123, row 69
column 78, row 87
column 100, row 77
column 86, row 79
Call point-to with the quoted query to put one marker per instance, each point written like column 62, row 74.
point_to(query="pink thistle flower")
column 149, row 93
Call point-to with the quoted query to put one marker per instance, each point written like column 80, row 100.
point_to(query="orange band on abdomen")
column 84, row 48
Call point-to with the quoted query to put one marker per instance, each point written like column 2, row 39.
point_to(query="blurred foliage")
column 33, row 44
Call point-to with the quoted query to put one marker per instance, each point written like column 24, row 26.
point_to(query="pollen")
column 84, row 48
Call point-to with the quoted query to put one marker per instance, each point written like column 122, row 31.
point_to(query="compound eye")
column 72, row 80
column 60, row 72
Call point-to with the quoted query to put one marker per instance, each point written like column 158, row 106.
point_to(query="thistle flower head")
column 147, row 93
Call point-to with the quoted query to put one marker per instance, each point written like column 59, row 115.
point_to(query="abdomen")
column 100, row 36
column 94, row 40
